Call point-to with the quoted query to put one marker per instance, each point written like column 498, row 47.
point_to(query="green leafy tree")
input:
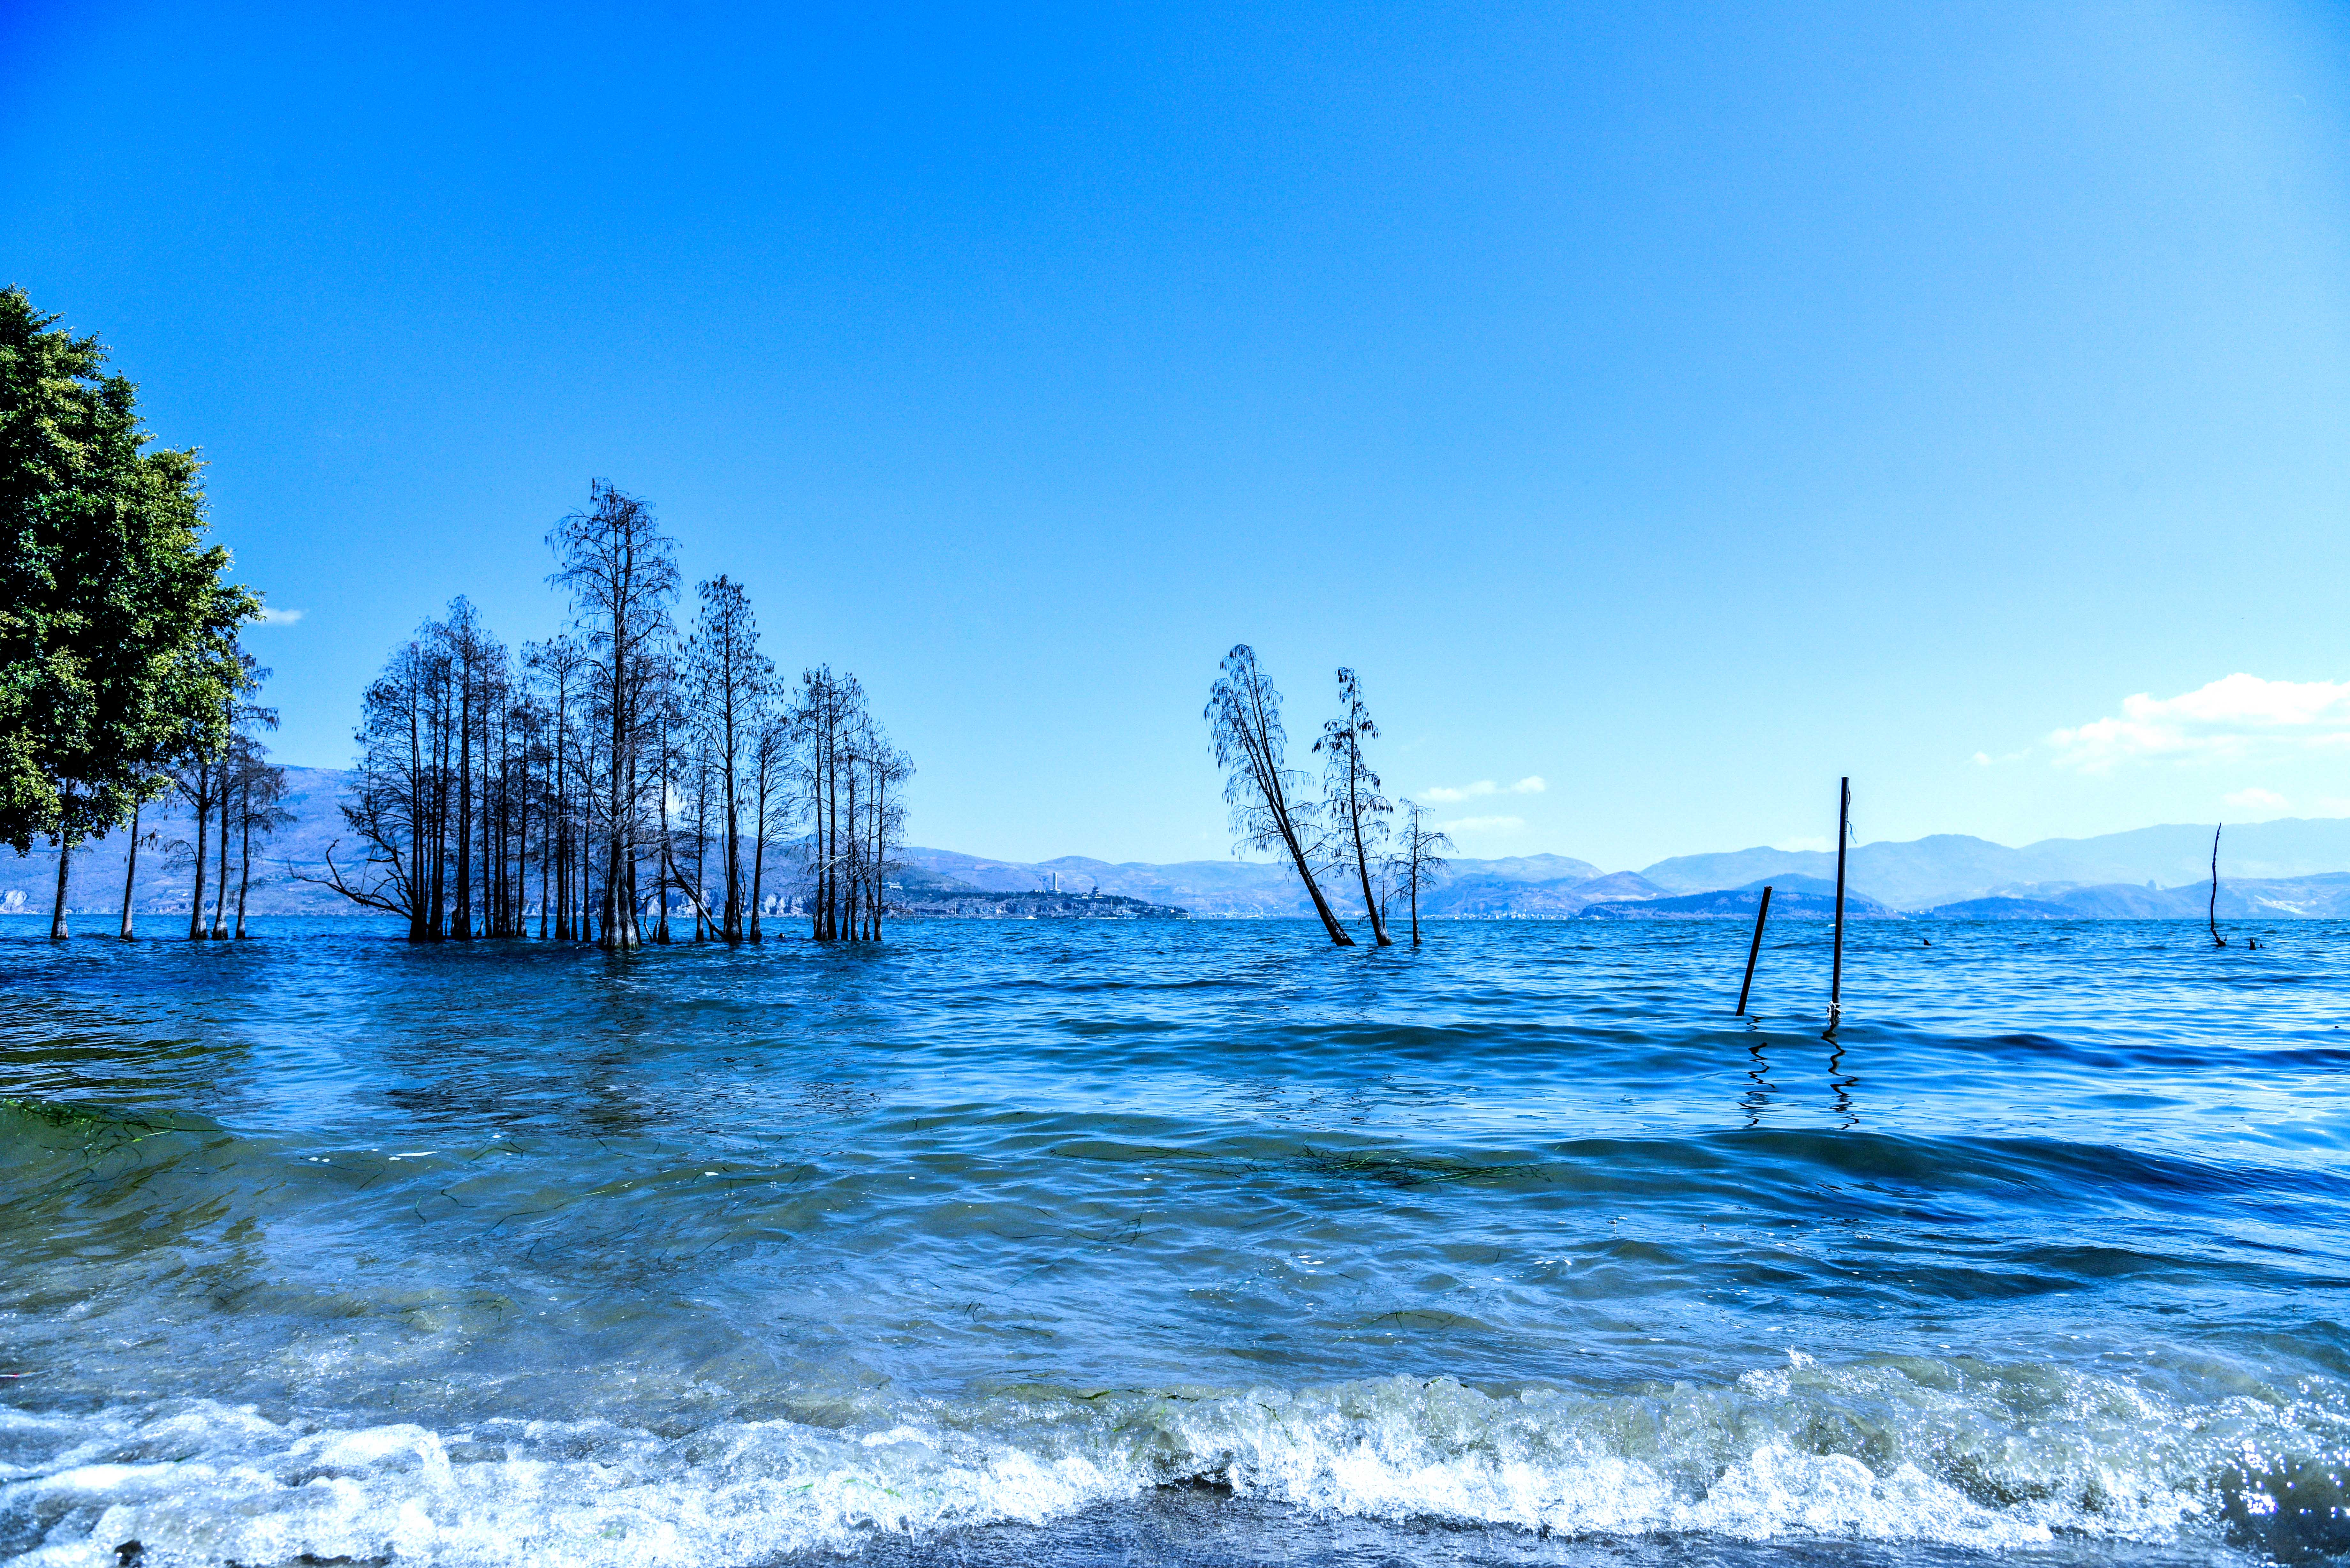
column 118, row 632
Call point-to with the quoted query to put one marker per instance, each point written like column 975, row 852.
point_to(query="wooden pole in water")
column 2212, row 916
column 1761, row 915
column 1835, row 974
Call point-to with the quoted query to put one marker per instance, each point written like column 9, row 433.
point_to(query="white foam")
column 1859, row 1453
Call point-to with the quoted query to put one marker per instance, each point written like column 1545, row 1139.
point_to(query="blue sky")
column 1678, row 407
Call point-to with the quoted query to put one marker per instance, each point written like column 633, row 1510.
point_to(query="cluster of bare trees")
column 620, row 771
column 1344, row 831
column 235, row 791
column 219, row 768
column 856, row 811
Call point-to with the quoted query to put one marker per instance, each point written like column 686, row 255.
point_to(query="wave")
column 1938, row 1453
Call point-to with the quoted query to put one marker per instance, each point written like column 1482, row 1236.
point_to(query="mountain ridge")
column 2292, row 868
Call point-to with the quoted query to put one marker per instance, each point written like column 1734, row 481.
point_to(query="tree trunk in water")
column 522, row 862
column 822, row 889
column 244, row 866
column 584, row 931
column 619, row 917
column 1339, row 937
column 416, row 905
column 734, row 848
column 1371, row 905
column 573, row 879
column 758, row 863
column 630, row 931
column 832, row 843
column 131, row 870
column 669, row 871
column 434, row 926
column 583, row 928
column 557, row 847
column 633, row 934
column 460, row 914
column 196, row 892
column 58, row 915
column 219, row 892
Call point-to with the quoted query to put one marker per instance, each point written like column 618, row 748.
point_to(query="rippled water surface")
column 1071, row 1242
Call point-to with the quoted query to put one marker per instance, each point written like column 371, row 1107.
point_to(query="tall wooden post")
column 1761, row 915
column 1835, row 974
column 2213, row 916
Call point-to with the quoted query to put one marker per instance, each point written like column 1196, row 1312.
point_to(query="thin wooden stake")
column 2213, row 915
column 1761, row 915
column 1836, row 975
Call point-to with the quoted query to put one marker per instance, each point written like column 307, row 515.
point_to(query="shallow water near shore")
column 1091, row 1242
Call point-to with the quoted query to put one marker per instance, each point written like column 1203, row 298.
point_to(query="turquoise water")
column 1121, row 1243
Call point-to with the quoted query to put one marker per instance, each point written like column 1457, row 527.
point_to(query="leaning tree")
column 1270, row 806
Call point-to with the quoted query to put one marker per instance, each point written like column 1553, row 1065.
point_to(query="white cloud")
column 1484, row 824
column 1531, row 784
column 2255, row 800
column 1792, row 844
column 2239, row 717
column 272, row 616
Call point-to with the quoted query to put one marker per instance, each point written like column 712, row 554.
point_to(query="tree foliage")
column 118, row 632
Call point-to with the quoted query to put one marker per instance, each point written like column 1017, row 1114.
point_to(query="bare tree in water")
column 474, row 658
column 395, row 801
column 828, row 748
column 826, row 712
column 1351, row 798
column 881, row 772
column 727, row 681
column 662, row 760
column 203, row 774
column 606, row 755
column 771, row 753
column 147, row 839
column 172, row 765
column 256, row 788
column 1416, row 856
column 1270, row 807
column 559, row 667
column 431, row 799
column 620, row 570
column 702, row 768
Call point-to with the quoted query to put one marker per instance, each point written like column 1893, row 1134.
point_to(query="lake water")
column 1072, row 1242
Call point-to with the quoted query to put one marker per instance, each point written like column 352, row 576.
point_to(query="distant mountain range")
column 1948, row 867
column 2289, row 870
column 2295, row 868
